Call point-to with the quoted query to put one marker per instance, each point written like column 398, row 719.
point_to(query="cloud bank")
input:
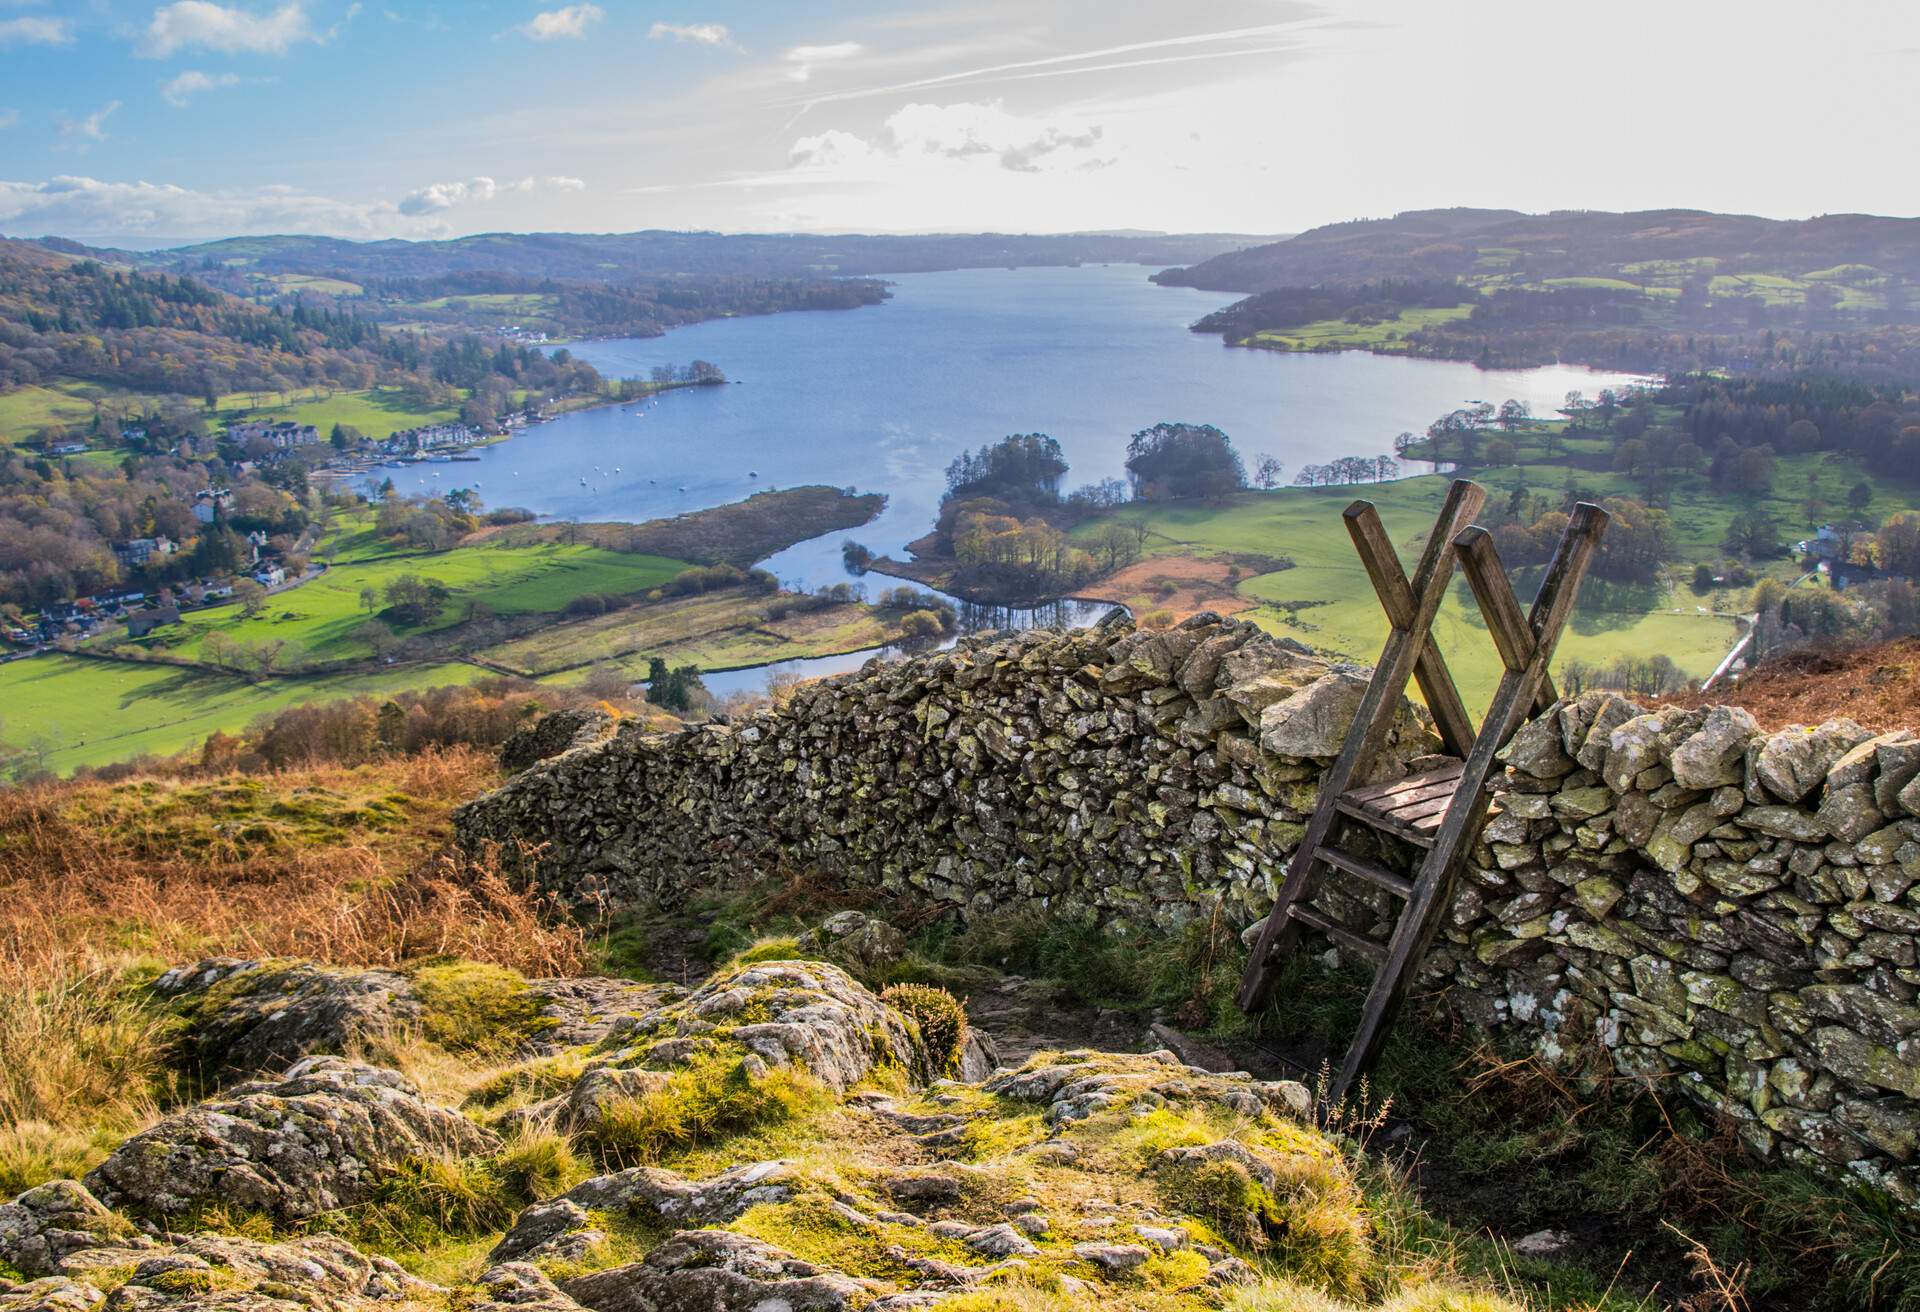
column 202, row 25
column 570, row 23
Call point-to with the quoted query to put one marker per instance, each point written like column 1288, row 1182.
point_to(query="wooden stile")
column 1439, row 810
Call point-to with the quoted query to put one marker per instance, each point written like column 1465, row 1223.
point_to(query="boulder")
column 716, row 1271
column 1793, row 762
column 248, row 1017
column 319, row 1138
column 866, row 945
column 1714, row 755
column 544, row 1228
column 66, row 1236
column 1314, row 721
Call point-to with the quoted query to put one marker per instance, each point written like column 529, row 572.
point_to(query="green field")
column 1327, row 602
column 716, row 631
column 98, row 712
column 323, row 615
column 378, row 413
column 26, row 411
column 1339, row 334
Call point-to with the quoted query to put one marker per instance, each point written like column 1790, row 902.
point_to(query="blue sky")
column 146, row 121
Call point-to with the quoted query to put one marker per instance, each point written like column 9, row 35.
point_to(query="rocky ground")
column 776, row 1136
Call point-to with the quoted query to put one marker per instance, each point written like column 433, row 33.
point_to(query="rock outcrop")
column 78, row 1254
column 245, row 1017
column 319, row 1138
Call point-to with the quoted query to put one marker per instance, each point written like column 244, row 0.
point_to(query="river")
column 883, row 398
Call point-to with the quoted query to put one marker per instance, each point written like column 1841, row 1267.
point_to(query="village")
column 142, row 610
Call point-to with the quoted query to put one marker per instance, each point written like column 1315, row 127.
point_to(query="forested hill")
column 618, row 257
column 62, row 316
column 1470, row 243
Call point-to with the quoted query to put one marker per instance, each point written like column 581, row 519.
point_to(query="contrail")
column 993, row 70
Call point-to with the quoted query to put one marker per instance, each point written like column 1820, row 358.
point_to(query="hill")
column 1657, row 291
column 617, row 257
column 1877, row 686
column 1504, row 245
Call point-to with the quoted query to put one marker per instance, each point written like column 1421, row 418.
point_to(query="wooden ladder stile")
column 1440, row 809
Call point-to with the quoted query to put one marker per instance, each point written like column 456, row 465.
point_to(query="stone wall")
column 1134, row 777
column 1734, row 914
column 1728, row 912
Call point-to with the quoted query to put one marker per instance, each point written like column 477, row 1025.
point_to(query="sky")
column 144, row 123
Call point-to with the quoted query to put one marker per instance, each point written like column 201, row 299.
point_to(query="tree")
column 1897, row 544
column 1860, row 495
column 345, row 437
column 369, row 599
column 1174, row 460
column 1753, row 534
column 1499, row 452
column 251, row 596
column 1022, row 465
column 1267, row 472
column 1514, row 415
column 414, row 600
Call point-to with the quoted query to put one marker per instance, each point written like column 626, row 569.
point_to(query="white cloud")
column 441, row 196
column 90, row 129
column 35, row 32
column 704, row 34
column 200, row 24
column 9, row 118
column 89, row 208
column 191, row 83
column 968, row 133
column 571, row 22
column 802, row 59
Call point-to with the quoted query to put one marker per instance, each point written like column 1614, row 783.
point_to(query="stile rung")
column 1371, row 871
column 1338, row 932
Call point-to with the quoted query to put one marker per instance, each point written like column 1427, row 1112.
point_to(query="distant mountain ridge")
column 1453, row 243
column 655, row 253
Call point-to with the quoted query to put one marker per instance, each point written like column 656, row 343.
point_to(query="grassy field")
column 27, row 411
column 377, row 412
column 715, row 631
column 1338, row 334
column 322, row 616
column 97, row 712
column 1326, row 601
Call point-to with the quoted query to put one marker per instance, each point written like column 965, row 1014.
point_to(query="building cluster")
column 430, row 437
column 283, row 435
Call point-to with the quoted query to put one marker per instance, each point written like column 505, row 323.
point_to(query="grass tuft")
column 708, row 1100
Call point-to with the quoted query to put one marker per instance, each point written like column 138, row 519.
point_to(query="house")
column 147, row 621
column 270, row 576
column 134, row 433
column 284, row 436
column 208, row 502
column 139, row 551
column 68, row 448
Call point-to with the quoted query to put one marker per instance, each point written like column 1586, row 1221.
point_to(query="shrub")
column 938, row 1018
column 920, row 624
column 470, row 1007
column 709, row 1100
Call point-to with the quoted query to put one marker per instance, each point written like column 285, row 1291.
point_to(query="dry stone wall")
column 1135, row 777
column 1731, row 913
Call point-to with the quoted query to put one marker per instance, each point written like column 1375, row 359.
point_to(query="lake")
column 883, row 398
